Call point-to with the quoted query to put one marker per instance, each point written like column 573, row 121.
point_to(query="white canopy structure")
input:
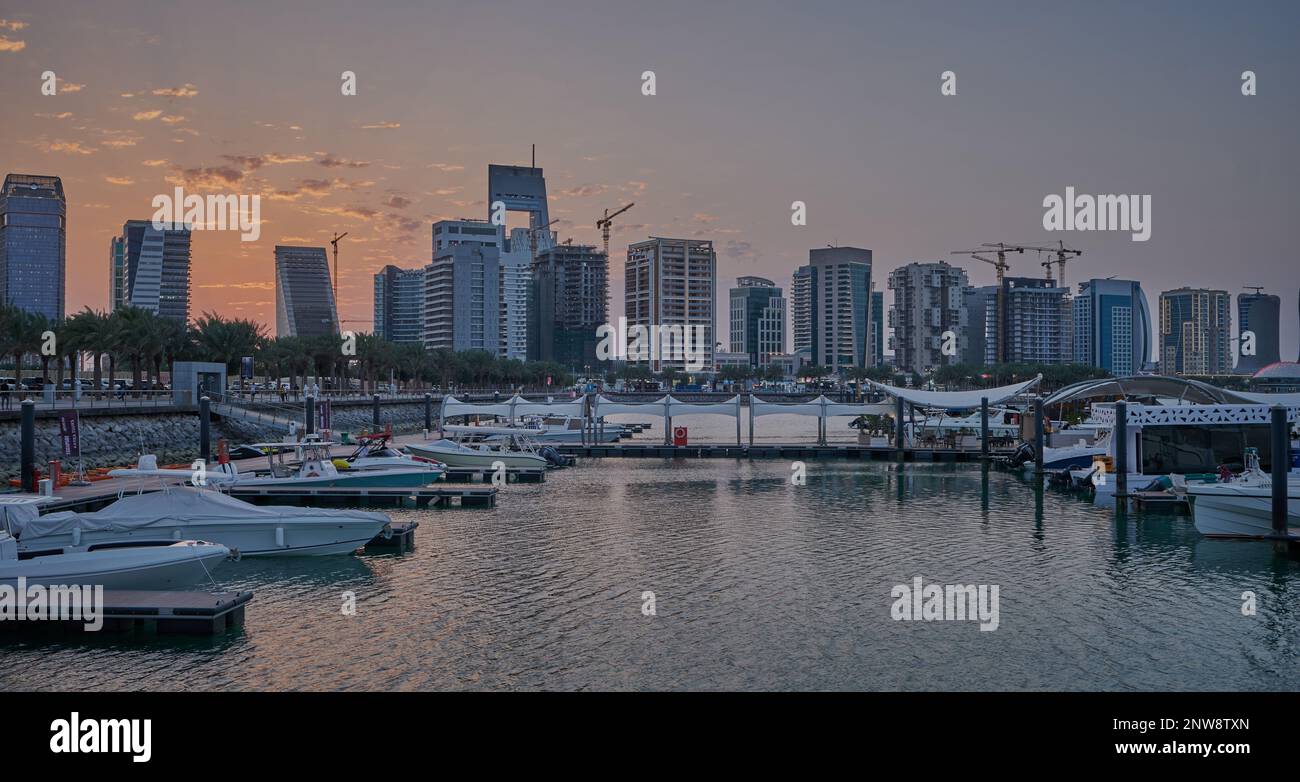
column 821, row 407
column 511, row 408
column 956, row 400
column 667, row 407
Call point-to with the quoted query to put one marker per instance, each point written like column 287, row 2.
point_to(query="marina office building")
column 304, row 297
column 33, row 244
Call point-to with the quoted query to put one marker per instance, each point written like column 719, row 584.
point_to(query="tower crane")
column 605, row 222
column 1062, row 254
column 532, row 237
column 1001, row 265
column 335, row 243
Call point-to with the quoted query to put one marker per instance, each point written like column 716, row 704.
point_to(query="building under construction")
column 568, row 300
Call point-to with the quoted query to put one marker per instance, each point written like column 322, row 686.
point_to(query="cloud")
column 739, row 250
column 256, row 286
column 12, row 24
column 583, row 191
column 382, row 126
column 254, row 162
column 187, row 91
column 7, row 45
column 704, row 217
column 172, row 119
column 118, row 139
column 153, row 163
column 145, row 116
column 67, row 86
column 398, row 202
column 69, row 147
column 332, row 161
column 47, row 115
column 119, row 180
column 206, row 178
column 445, row 191
column 446, row 167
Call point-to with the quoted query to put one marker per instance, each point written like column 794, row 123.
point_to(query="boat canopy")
column 511, row 408
column 956, row 400
column 163, row 508
column 1178, row 390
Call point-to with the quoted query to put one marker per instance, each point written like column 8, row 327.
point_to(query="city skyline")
column 413, row 145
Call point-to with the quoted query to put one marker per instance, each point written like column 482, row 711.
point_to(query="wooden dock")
column 151, row 612
column 770, row 451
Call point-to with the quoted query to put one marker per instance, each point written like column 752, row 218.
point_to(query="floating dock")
column 423, row 497
column 484, row 474
column 771, row 451
column 400, row 539
column 155, row 613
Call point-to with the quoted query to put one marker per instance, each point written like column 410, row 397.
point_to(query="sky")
column 758, row 104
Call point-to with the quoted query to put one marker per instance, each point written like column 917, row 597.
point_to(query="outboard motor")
column 1022, row 455
column 554, row 457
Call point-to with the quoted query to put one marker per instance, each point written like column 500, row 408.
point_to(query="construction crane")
column 1001, row 265
column 605, row 222
column 335, row 243
column 1062, row 254
column 532, row 237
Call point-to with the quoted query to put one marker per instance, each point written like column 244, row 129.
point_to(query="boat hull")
column 250, row 539
column 475, row 459
column 159, row 567
column 1222, row 511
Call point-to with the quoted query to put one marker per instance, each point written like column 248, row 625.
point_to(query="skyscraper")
column 977, row 303
column 1195, row 326
column 1112, row 326
column 399, row 304
column 33, row 244
column 757, row 319
column 928, row 302
column 1260, row 314
column 521, row 189
column 118, row 286
column 1036, row 323
column 568, row 300
column 156, row 273
column 877, row 327
column 832, row 306
column 462, row 288
column 670, row 282
column 516, row 271
column 304, row 298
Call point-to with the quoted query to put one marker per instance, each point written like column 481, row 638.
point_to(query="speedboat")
column 481, row 447
column 569, row 429
column 160, row 565
column 375, row 453
column 179, row 512
column 1243, row 506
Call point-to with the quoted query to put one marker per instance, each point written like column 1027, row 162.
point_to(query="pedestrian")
column 315, row 390
column 253, row 391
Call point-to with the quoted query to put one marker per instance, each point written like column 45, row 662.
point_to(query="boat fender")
column 388, row 532
column 279, row 536
column 76, row 535
column 235, row 556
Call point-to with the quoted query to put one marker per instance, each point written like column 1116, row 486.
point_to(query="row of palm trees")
column 138, row 340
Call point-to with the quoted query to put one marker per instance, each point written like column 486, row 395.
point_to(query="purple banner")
column 70, row 433
column 323, row 410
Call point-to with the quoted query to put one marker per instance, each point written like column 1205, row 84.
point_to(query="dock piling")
column 309, row 414
column 984, row 428
column 1281, row 456
column 428, row 413
column 899, row 440
column 205, row 429
column 1038, row 436
column 1120, row 433
column 374, row 413
column 28, row 462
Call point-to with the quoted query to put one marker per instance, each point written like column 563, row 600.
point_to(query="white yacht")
column 180, row 513
column 480, row 447
column 1243, row 506
column 569, row 429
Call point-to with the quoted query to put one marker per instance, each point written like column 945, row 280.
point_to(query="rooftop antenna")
column 1256, row 288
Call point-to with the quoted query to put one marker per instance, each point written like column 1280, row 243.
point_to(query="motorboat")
column 154, row 565
column 481, row 447
column 178, row 513
column 570, row 429
column 375, row 452
column 1243, row 505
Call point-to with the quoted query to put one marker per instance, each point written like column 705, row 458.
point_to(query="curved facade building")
column 1112, row 326
column 1259, row 313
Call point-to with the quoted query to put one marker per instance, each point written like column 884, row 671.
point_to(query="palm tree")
column 227, row 341
column 23, row 335
column 83, row 333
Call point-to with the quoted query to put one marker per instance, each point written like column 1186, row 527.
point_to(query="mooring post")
column 898, row 427
column 205, row 429
column 374, row 402
column 1120, row 433
column 1038, row 436
column 1281, row 463
column 751, row 419
column 984, row 428
column 28, row 460
column 428, row 413
column 309, row 414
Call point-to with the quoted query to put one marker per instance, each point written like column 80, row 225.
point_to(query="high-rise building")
column 670, row 282
column 118, row 286
column 977, row 302
column 831, row 300
column 399, row 304
column 156, row 274
column 516, row 272
column 304, row 297
column 1195, row 327
column 33, row 244
column 1112, row 326
column 462, row 288
column 757, row 319
column 928, row 302
column 568, row 301
column 521, row 189
column 1260, row 314
column 1036, row 323
column 877, row 327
